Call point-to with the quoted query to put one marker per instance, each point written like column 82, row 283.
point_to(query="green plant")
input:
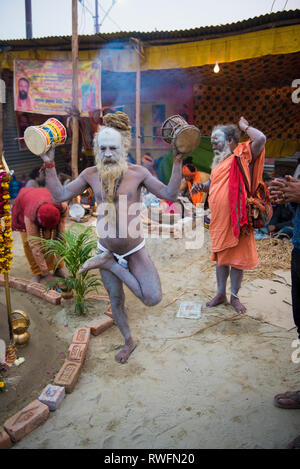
column 75, row 248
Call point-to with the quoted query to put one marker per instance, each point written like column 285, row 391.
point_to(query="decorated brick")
column 36, row 289
column 52, row 297
column 82, row 335
column 68, row 375
column 76, row 352
column 109, row 312
column 19, row 283
column 52, row 396
column 101, row 325
column 5, row 441
column 27, row 420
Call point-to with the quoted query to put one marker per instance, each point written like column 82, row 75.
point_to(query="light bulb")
column 216, row 68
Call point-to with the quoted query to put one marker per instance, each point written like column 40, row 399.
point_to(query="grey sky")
column 53, row 17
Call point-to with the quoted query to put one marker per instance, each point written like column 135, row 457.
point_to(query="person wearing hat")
column 34, row 213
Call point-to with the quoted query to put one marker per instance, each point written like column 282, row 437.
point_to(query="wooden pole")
column 75, row 103
column 28, row 19
column 138, row 105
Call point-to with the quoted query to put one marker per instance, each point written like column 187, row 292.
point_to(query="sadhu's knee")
column 152, row 299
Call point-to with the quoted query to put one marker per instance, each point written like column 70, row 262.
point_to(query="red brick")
column 101, row 325
column 27, row 420
column 19, row 283
column 109, row 312
column 82, row 335
column 36, row 289
column 52, row 297
column 76, row 352
column 68, row 375
column 2, row 281
column 5, row 441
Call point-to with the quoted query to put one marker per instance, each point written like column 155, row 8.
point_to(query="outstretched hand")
column 243, row 124
column 178, row 156
column 48, row 157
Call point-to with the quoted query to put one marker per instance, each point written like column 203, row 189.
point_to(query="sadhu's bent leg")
column 115, row 290
column 142, row 279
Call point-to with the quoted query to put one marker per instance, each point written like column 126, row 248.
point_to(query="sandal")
column 292, row 400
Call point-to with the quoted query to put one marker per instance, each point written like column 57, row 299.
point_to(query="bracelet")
column 48, row 165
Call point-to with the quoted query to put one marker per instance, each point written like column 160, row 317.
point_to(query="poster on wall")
column 158, row 113
column 45, row 86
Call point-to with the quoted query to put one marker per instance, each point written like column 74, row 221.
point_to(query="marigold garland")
column 6, row 239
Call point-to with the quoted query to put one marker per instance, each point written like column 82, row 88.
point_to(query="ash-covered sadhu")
column 233, row 250
column 117, row 185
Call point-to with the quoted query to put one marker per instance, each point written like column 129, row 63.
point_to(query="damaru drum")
column 40, row 138
column 183, row 136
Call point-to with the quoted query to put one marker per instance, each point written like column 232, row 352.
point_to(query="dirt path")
column 212, row 390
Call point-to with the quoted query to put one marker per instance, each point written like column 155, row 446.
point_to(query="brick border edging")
column 34, row 288
column 37, row 412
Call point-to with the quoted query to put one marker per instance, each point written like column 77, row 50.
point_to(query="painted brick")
column 52, row 396
column 52, row 297
column 76, row 352
column 19, row 283
column 109, row 312
column 27, row 420
column 68, row 375
column 36, row 289
column 5, row 441
column 101, row 325
column 82, row 335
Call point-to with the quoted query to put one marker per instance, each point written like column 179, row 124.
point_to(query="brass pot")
column 20, row 323
column 21, row 339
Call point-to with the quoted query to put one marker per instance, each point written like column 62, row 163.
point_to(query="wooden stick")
column 75, row 106
column 235, row 316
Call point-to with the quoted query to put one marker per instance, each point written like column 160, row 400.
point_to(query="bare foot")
column 235, row 302
column 219, row 299
column 128, row 348
column 59, row 273
column 36, row 278
column 105, row 260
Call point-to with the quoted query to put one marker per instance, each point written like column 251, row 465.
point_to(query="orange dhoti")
column 50, row 260
column 227, row 249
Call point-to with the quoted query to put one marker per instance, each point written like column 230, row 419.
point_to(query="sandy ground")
column 211, row 390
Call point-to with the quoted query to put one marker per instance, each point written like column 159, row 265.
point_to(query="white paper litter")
column 189, row 310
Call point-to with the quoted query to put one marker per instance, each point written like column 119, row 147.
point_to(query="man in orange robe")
column 192, row 176
column 233, row 254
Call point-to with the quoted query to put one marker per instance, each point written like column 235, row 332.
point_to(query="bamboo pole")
column 75, row 103
column 138, row 104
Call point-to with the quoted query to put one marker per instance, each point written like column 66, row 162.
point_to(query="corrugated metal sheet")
column 271, row 20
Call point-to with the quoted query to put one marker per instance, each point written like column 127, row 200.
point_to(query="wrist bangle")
column 48, row 165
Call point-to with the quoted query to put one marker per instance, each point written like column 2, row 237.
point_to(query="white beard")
column 221, row 156
column 109, row 175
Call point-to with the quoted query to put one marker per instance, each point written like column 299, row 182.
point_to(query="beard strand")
column 221, row 156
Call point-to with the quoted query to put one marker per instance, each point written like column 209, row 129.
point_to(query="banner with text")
column 45, row 86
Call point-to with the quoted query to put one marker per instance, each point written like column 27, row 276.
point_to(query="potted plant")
column 75, row 247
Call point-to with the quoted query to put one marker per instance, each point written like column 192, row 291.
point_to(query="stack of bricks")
column 69, row 373
column 36, row 289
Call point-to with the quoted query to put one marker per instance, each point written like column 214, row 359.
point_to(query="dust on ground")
column 213, row 389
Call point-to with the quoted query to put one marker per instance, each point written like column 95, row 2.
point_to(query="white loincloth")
column 120, row 258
